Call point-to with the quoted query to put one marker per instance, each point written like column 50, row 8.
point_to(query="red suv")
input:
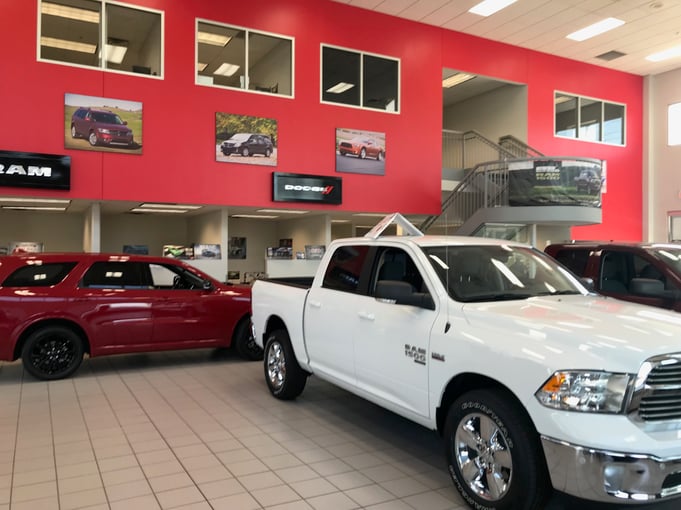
column 58, row 307
column 100, row 127
column 645, row 273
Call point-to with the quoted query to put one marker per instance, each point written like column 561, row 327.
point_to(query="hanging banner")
column 555, row 182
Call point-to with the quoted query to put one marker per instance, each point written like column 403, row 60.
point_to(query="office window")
column 243, row 59
column 101, row 34
column 674, row 124
column 588, row 119
column 357, row 79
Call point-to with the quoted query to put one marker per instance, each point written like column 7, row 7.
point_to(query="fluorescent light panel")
column 63, row 44
column 33, row 208
column 282, row 211
column 181, row 207
column 596, row 29
column 115, row 53
column 456, row 79
column 24, row 200
column 158, row 210
column 665, row 55
column 201, row 66
column 489, row 7
column 256, row 216
column 214, row 39
column 340, row 87
column 64, row 11
column 226, row 69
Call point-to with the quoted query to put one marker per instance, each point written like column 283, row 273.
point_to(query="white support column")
column 92, row 227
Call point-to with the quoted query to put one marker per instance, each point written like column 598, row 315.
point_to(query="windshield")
column 499, row 272
column 240, row 137
column 107, row 118
column 670, row 256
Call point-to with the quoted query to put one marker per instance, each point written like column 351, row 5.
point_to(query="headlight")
column 591, row 392
column 104, row 130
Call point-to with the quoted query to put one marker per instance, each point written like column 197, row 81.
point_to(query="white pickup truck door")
column 392, row 353
column 331, row 324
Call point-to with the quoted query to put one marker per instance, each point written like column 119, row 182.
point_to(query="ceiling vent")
column 610, row 55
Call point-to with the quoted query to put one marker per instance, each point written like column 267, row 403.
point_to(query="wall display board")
column 360, row 152
column 136, row 249
column 237, row 248
column 245, row 139
column 102, row 124
column 16, row 247
column 207, row 251
column 178, row 251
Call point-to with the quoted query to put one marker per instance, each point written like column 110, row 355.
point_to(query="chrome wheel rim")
column 483, row 457
column 276, row 365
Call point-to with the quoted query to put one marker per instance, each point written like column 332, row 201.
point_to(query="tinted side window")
column 115, row 275
column 574, row 260
column 345, row 268
column 42, row 275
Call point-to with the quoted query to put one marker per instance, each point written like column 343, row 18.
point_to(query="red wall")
column 178, row 164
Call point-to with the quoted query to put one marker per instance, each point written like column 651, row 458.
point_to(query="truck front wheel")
column 494, row 455
column 285, row 379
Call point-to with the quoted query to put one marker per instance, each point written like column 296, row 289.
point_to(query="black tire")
column 52, row 352
column 379, row 157
column 285, row 379
column 74, row 133
column 268, row 153
column 488, row 438
column 244, row 343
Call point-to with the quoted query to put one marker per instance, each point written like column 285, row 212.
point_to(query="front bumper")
column 605, row 476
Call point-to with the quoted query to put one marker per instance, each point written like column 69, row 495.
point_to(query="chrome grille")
column 662, row 397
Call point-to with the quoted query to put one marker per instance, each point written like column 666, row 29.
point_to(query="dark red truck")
column 646, row 273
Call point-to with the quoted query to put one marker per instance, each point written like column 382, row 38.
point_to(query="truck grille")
column 662, row 398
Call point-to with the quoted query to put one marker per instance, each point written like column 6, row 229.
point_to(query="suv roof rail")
column 407, row 227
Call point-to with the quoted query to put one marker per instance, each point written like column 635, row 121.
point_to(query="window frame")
column 248, row 32
column 103, row 36
column 578, row 125
column 362, row 54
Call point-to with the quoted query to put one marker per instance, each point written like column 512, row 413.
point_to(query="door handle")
column 366, row 316
column 315, row 304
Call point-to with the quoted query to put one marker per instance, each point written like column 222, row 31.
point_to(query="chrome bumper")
column 599, row 475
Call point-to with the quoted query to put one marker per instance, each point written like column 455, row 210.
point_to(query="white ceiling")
column 650, row 26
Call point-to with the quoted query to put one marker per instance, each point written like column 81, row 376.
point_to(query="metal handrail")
column 518, row 147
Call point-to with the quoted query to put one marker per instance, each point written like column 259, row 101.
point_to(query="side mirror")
column 125, row 122
column 207, row 285
column 588, row 283
column 402, row 293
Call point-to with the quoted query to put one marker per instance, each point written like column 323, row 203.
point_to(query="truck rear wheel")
column 494, row 454
column 285, row 379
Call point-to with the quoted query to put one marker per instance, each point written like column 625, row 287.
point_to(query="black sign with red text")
column 306, row 188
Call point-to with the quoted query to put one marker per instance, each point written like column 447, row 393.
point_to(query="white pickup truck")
column 534, row 382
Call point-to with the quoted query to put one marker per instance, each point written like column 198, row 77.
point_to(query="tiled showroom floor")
column 199, row 430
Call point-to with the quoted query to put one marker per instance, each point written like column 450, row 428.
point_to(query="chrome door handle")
column 367, row 316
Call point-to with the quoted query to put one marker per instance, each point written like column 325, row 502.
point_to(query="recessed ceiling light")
column 157, row 210
column 256, row 216
column 64, row 44
column 214, row 39
column 489, row 7
column 665, row 55
column 595, row 29
column 340, row 87
column 226, row 69
column 151, row 205
column 24, row 200
column 115, row 52
column 64, row 11
column 282, row 211
column 456, row 79
column 340, row 221
column 33, row 208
